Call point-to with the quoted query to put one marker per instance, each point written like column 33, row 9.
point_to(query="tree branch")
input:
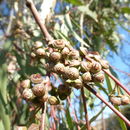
column 109, row 105
column 42, row 127
column 85, row 109
column 35, row 13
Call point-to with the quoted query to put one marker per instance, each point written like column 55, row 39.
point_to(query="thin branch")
column 117, row 82
column 85, row 109
column 36, row 15
column 74, row 113
column 109, row 105
column 42, row 127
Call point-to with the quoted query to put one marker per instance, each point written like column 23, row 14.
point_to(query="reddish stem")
column 73, row 111
column 35, row 13
column 85, row 109
column 109, row 105
column 117, row 81
column 42, row 127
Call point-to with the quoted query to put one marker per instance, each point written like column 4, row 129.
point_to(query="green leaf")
column 110, row 83
column 70, row 26
column 69, row 119
column 74, row 2
column 85, row 9
column 125, row 10
column 122, row 123
column 96, row 116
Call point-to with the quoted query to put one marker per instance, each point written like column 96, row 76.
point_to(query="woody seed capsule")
column 28, row 94
column 125, row 100
column 53, row 100
column 39, row 90
column 25, row 83
column 65, row 51
column 96, row 67
column 86, row 77
column 104, row 64
column 38, row 44
column 71, row 73
column 115, row 100
column 98, row 77
column 36, row 78
column 55, row 56
column 59, row 68
column 40, row 52
column 85, row 66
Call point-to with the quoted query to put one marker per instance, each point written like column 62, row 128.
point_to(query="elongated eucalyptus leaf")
column 74, row 2
column 70, row 26
column 69, row 119
column 96, row 116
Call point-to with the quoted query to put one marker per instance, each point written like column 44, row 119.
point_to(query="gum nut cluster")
column 119, row 100
column 36, row 92
column 71, row 65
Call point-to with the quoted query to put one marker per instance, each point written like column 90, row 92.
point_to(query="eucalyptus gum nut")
column 71, row 72
column 98, row 77
column 86, row 77
column 44, row 98
column 40, row 52
column 36, row 78
column 125, row 100
column 55, row 56
column 74, row 63
column 78, row 83
column 62, row 96
column 59, row 43
column 96, row 67
column 85, row 66
column 83, row 51
column 33, row 54
column 53, row 100
column 39, row 90
column 59, row 68
column 74, row 54
column 28, row 94
column 115, row 100
column 38, row 44
column 104, row 64
column 25, row 83
column 65, row 51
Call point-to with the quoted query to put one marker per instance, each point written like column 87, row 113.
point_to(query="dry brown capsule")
column 65, row 51
column 98, row 77
column 33, row 55
column 78, row 83
column 71, row 72
column 38, row 44
column 60, row 43
column 55, row 56
column 63, row 89
column 25, row 83
column 85, row 66
column 28, row 94
column 74, row 63
column 86, row 77
column 44, row 98
column 39, row 90
column 116, row 100
column 104, row 64
column 59, row 68
column 53, row 100
column 40, row 52
column 83, row 51
column 96, row 67
column 74, row 54
column 36, row 78
column 125, row 100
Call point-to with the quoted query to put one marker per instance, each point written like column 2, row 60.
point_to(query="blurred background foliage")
column 94, row 24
